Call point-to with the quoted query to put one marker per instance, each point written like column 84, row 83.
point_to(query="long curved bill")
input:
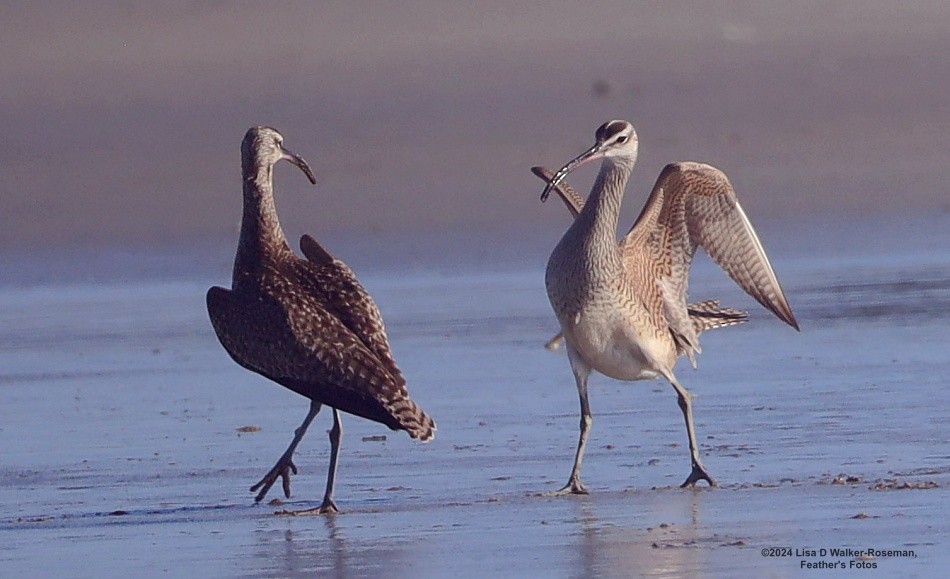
column 298, row 160
column 595, row 152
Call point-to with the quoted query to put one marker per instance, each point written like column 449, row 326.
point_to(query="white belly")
column 611, row 346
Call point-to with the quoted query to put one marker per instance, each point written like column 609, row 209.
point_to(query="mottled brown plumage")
column 704, row 316
column 622, row 306
column 306, row 324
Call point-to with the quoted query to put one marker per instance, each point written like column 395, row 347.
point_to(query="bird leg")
column 698, row 471
column 328, row 506
column 574, row 485
column 285, row 465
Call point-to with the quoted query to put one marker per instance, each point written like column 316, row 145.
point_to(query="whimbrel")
column 705, row 315
column 622, row 307
column 306, row 324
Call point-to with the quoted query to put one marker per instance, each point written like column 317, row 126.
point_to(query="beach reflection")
column 321, row 545
column 649, row 545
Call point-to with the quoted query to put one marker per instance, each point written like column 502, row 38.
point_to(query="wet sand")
column 123, row 440
column 123, row 451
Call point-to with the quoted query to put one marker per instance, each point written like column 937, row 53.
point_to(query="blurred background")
column 121, row 203
column 122, row 122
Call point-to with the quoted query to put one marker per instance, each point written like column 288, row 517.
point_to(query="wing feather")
column 660, row 246
column 343, row 295
column 696, row 206
column 292, row 338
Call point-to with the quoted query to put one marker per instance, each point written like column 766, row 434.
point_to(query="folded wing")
column 344, row 297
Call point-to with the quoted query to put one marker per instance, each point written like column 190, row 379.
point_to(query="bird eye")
column 622, row 139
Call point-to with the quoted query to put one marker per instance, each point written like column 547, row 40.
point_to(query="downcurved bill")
column 595, row 152
column 298, row 160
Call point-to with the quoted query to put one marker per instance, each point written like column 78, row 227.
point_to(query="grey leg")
column 285, row 465
column 698, row 472
column 336, row 435
column 328, row 506
column 581, row 372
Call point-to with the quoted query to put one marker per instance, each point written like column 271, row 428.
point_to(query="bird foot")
column 698, row 473
column 327, row 508
column 573, row 487
column 284, row 467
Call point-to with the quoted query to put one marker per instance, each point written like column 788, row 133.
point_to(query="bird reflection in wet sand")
column 622, row 307
column 306, row 324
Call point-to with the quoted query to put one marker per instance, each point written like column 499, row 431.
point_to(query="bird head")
column 615, row 142
column 264, row 146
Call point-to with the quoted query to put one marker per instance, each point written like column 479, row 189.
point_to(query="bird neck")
column 601, row 213
column 261, row 235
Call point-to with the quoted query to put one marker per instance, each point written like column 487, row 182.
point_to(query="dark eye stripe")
column 610, row 130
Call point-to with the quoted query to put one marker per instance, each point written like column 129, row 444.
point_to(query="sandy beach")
column 125, row 443
column 129, row 439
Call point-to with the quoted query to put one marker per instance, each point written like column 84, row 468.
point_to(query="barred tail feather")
column 412, row 419
column 708, row 315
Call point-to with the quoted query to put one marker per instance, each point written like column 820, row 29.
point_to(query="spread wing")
column 694, row 205
column 690, row 321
